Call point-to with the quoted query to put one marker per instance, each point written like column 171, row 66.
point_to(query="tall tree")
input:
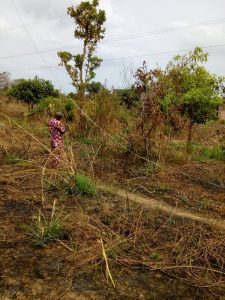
column 89, row 20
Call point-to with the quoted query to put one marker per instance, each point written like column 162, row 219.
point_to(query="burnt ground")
column 150, row 255
column 54, row 272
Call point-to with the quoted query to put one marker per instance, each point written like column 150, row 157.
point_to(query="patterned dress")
column 57, row 144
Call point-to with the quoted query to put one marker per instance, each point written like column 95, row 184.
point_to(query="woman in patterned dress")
column 57, row 144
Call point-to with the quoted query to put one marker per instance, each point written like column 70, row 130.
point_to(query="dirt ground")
column 29, row 272
column 151, row 255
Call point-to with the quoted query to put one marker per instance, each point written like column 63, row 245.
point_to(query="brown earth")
column 151, row 254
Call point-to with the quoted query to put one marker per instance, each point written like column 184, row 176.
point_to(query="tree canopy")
column 32, row 90
column 185, row 89
column 89, row 28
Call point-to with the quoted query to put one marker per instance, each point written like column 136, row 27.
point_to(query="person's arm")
column 61, row 128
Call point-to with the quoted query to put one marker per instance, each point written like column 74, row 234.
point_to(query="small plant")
column 72, row 185
column 84, row 186
column 171, row 221
column 206, row 154
column 156, row 256
column 12, row 159
column 184, row 198
column 203, row 204
column 86, row 140
column 177, row 145
column 149, row 168
column 163, row 187
column 45, row 229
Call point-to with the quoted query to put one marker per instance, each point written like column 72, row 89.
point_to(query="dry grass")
column 106, row 231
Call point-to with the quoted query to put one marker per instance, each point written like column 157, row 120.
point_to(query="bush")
column 205, row 153
column 84, row 186
column 128, row 97
column 12, row 159
column 43, row 231
column 69, row 109
column 73, row 185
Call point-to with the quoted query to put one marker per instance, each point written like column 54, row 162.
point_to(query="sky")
column 31, row 33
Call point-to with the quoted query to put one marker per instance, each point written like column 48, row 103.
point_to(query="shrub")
column 206, row 153
column 73, row 185
column 12, row 159
column 46, row 229
column 84, row 186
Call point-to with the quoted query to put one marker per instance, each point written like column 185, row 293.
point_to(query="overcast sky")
column 136, row 30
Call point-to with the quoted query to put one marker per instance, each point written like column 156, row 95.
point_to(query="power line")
column 124, row 37
column 122, row 57
column 165, row 30
column 50, row 19
column 37, row 52
column 29, row 36
column 164, row 52
column 33, row 23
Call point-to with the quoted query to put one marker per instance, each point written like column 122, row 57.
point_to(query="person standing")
column 57, row 130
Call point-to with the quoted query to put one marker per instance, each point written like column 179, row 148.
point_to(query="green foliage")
column 32, row 91
column 43, row 105
column 206, row 154
column 72, row 185
column 89, row 22
column 69, row 109
column 86, row 140
column 72, row 95
column 106, row 109
column 156, row 256
column 94, row 88
column 12, row 159
column 184, row 91
column 46, row 229
column 191, row 88
column 128, row 97
column 84, row 186
column 50, row 105
column 69, row 105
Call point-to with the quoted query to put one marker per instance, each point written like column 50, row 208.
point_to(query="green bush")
column 12, row 159
column 206, row 153
column 45, row 229
column 73, row 185
column 84, row 186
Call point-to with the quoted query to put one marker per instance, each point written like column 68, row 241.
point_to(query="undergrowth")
column 12, row 159
column 206, row 153
column 72, row 185
column 45, row 229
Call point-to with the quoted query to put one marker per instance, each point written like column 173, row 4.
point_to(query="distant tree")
column 5, row 80
column 94, row 87
column 32, row 91
column 89, row 28
column 128, row 97
column 72, row 95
